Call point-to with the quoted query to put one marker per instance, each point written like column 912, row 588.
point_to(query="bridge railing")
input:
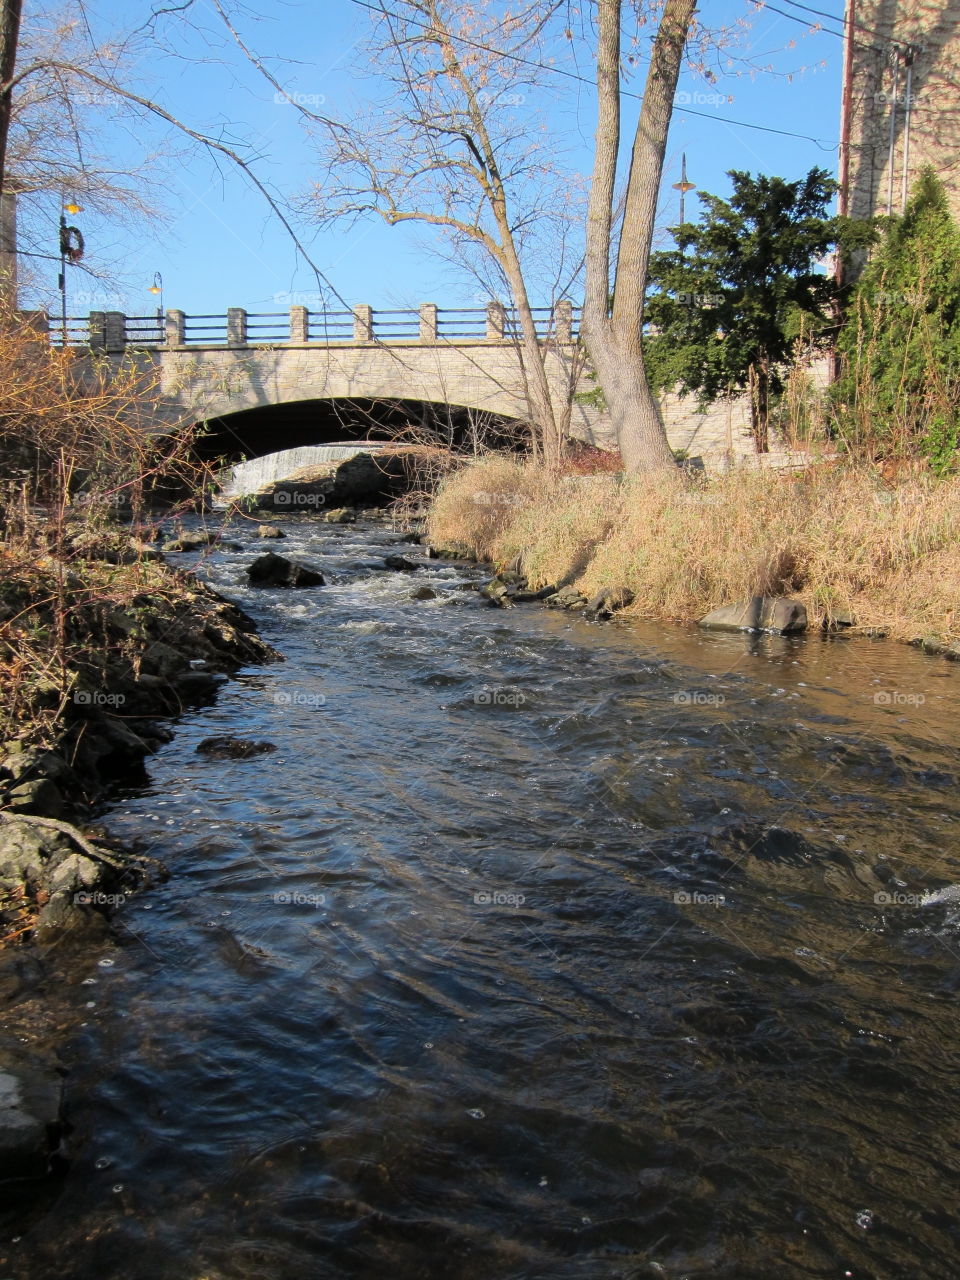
column 112, row 331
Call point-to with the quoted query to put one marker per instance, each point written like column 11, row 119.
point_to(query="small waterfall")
column 254, row 475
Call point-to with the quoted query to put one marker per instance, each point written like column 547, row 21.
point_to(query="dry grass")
column 75, row 456
column 838, row 539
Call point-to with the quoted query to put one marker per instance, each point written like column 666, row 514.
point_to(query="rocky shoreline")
column 774, row 615
column 56, row 871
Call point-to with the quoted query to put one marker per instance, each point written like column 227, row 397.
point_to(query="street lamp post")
column 71, row 250
column 157, row 290
column 683, row 186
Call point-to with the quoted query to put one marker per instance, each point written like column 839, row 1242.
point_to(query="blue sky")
column 216, row 244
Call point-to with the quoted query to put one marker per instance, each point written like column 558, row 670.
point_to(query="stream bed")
column 537, row 950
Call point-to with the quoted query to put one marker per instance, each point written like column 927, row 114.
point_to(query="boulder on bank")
column 775, row 614
column 497, row 593
column 566, row 598
column 30, row 1100
column 608, row 602
column 191, row 542
column 270, row 570
column 460, row 552
column 528, row 597
column 37, row 795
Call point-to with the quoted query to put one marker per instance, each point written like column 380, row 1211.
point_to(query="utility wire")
column 627, row 93
column 858, row 26
column 841, row 35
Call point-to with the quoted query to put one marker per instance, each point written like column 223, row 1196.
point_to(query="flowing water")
column 537, row 949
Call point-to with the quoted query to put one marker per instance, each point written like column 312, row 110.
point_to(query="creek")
column 537, row 950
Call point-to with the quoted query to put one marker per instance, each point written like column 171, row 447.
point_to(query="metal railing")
column 144, row 331
column 112, row 331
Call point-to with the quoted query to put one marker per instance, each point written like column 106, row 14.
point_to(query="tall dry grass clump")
column 836, row 538
column 78, row 472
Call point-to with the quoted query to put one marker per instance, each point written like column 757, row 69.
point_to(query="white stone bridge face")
column 214, row 366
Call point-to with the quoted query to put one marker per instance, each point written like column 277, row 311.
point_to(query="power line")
column 626, row 93
column 858, row 26
column 841, row 35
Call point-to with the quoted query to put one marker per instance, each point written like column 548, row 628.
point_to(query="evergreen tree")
column 899, row 388
column 728, row 303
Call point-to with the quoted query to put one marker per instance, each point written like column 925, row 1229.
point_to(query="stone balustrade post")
column 175, row 329
column 236, row 327
column 299, row 325
column 97, row 330
column 363, row 323
column 496, row 321
column 563, row 320
column 114, row 332
column 428, row 322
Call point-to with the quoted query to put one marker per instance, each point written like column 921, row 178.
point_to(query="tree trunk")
column 760, row 406
column 533, row 353
column 763, row 407
column 9, row 36
column 641, row 438
column 614, row 342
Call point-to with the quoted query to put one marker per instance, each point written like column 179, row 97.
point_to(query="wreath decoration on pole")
column 71, row 243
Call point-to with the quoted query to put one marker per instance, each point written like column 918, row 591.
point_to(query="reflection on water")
column 537, row 949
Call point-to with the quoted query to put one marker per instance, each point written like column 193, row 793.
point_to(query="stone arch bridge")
column 214, row 366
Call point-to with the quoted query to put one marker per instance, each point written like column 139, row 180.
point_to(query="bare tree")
column 61, row 89
column 612, row 334
column 10, row 11
column 452, row 148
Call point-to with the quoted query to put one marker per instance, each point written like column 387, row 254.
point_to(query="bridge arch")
column 269, row 428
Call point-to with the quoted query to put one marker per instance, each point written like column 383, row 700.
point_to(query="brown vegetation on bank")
column 848, row 545
column 99, row 639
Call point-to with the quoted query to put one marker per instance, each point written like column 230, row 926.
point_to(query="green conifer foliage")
column 898, row 394
column 726, row 305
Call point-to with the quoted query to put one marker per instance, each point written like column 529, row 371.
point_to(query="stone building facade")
column 901, row 102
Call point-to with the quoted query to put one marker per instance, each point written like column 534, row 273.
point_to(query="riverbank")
column 858, row 554
column 100, row 646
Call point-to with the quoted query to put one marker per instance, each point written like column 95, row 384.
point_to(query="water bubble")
column 106, row 963
column 476, row 1114
column 102, row 1162
column 544, row 1182
column 864, row 1219
column 428, row 1044
column 89, row 982
column 117, row 1188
